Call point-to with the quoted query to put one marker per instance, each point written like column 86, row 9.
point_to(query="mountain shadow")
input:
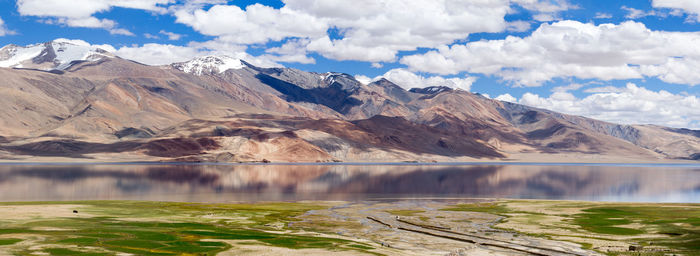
column 333, row 96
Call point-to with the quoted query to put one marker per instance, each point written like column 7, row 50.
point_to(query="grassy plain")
column 653, row 229
column 159, row 228
column 169, row 228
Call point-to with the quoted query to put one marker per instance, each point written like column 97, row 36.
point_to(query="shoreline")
column 382, row 200
column 469, row 163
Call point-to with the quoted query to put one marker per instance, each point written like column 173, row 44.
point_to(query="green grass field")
column 165, row 228
column 153, row 228
column 675, row 227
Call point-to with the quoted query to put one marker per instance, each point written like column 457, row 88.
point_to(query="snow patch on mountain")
column 68, row 51
column 12, row 56
column 209, row 65
column 58, row 54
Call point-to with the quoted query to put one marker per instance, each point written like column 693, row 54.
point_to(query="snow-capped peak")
column 59, row 54
column 209, row 65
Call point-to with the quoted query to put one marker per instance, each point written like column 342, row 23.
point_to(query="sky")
column 626, row 61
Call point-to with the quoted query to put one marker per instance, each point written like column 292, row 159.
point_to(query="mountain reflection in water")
column 219, row 183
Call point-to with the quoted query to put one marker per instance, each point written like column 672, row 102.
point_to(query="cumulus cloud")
column 293, row 50
column 407, row 80
column 79, row 13
column 158, row 54
column 363, row 79
column 376, row 32
column 163, row 54
column 507, row 98
column 572, row 49
column 629, row 105
column 691, row 7
column 382, row 29
column 83, row 8
column 255, row 24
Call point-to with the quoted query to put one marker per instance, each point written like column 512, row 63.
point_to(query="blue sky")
column 620, row 61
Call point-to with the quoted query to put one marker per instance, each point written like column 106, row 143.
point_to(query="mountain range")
column 66, row 101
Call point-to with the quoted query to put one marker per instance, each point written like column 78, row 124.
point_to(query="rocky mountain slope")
column 65, row 102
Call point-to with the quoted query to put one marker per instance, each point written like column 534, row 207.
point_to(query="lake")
column 226, row 183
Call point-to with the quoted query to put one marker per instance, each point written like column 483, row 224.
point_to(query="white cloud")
column 84, row 8
column 633, row 13
column 566, row 88
column 164, row 54
column 629, row 105
column 408, row 80
column 572, row 49
column 678, row 70
column 604, row 89
column 293, row 50
column 79, row 13
column 692, row 7
column 158, row 54
column 256, row 24
column 4, row 30
column 545, row 17
column 363, row 79
column 545, row 10
column 507, row 98
column 218, row 46
column 150, row 36
column 120, row 31
column 171, row 35
column 602, row 15
column 346, row 50
column 546, row 6
column 376, row 32
column 89, row 22
column 518, row 26
column 377, row 65
column 382, row 29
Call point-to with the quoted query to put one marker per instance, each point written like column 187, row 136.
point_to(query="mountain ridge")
column 223, row 109
column 58, row 54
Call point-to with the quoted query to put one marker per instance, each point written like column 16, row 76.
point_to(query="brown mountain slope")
column 113, row 109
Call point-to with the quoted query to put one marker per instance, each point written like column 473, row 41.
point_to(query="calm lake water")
column 221, row 183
